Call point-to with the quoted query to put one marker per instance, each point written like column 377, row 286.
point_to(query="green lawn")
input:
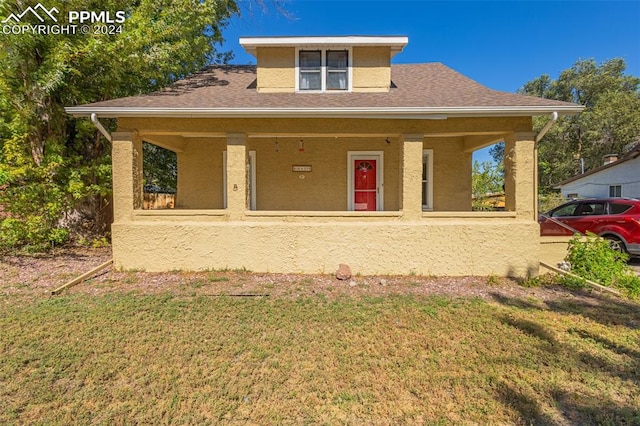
column 128, row 358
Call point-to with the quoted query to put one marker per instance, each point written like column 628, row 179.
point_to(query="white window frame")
column 614, row 187
column 427, row 155
column 323, row 68
column 365, row 155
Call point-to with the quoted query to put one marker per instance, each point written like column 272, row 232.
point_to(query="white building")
column 616, row 178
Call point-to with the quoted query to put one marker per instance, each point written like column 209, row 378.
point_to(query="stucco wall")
column 200, row 174
column 451, row 174
column 371, row 69
column 276, row 69
column 428, row 247
column 325, row 187
column 403, row 242
column 370, row 65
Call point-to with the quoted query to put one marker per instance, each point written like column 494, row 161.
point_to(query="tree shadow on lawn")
column 605, row 309
column 577, row 407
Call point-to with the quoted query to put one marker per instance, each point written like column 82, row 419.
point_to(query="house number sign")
column 301, row 168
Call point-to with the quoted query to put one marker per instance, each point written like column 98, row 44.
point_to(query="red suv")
column 616, row 219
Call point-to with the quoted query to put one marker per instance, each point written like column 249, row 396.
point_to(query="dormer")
column 324, row 64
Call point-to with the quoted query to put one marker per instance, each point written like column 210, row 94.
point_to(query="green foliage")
column 160, row 167
column 592, row 258
column 549, row 201
column 486, row 179
column 610, row 123
column 52, row 164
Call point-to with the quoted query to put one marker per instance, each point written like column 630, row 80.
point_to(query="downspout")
column 99, row 126
column 545, row 129
column 538, row 138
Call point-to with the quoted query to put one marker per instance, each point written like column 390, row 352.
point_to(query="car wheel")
column 616, row 243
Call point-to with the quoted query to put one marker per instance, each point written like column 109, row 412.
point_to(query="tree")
column 486, row 179
column 52, row 165
column 609, row 124
column 160, row 168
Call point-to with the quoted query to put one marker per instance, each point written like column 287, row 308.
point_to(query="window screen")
column 310, row 67
column 337, row 70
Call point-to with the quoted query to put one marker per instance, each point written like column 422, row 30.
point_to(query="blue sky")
column 500, row 44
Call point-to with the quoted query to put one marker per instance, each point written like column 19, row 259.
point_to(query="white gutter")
column 545, row 129
column 98, row 124
column 437, row 113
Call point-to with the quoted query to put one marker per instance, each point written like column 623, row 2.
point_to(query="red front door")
column 365, row 185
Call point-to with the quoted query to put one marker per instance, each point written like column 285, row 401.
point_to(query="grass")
column 149, row 359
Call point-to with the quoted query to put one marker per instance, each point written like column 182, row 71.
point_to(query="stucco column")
column 520, row 174
column 124, row 160
column 411, row 169
column 138, row 176
column 236, row 175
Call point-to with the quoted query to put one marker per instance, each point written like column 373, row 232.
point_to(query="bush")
column 549, row 201
column 592, row 258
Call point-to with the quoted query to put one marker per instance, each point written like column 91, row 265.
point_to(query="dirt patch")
column 37, row 276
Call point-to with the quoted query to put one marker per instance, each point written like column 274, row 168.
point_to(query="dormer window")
column 323, row 70
column 310, row 70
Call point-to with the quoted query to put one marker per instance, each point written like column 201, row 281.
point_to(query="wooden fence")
column 153, row 201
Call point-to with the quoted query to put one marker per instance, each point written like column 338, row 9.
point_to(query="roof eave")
column 397, row 112
column 251, row 44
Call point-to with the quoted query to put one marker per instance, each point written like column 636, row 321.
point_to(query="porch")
column 289, row 201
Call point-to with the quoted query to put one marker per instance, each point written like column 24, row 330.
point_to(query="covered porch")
column 277, row 195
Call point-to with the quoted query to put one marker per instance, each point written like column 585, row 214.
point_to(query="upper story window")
column 323, row 70
column 310, row 70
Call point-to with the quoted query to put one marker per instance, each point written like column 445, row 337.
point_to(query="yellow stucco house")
column 326, row 153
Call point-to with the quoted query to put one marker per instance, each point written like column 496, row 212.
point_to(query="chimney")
column 610, row 158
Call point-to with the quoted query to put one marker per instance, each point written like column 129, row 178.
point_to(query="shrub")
column 592, row 258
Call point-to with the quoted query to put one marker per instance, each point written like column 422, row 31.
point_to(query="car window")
column 563, row 211
column 618, row 208
column 590, row 209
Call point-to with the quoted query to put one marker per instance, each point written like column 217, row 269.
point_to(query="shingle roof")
column 432, row 86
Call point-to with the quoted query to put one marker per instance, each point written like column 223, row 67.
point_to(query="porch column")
column 520, row 174
column 236, row 175
column 138, row 172
column 411, row 169
column 126, row 161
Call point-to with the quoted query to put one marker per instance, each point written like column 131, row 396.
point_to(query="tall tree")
column 610, row 123
column 50, row 164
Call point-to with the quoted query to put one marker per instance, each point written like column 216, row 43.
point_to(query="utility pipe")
column 98, row 124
